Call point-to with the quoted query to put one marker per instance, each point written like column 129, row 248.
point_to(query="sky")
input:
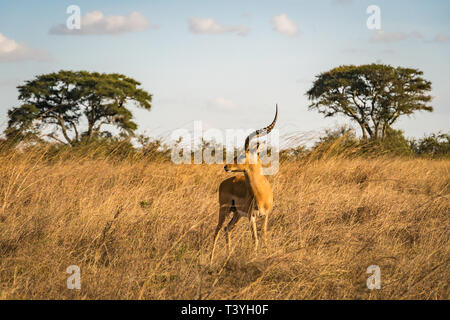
column 227, row 63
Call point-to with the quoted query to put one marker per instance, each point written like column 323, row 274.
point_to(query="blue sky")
column 214, row 73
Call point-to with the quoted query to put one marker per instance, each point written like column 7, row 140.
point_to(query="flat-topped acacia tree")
column 70, row 106
column 373, row 95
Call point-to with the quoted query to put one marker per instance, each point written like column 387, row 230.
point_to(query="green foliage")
column 343, row 142
column 58, row 103
column 373, row 95
column 153, row 149
column 394, row 144
column 100, row 148
column 293, row 153
column 434, row 145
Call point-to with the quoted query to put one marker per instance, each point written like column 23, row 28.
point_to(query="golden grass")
column 142, row 229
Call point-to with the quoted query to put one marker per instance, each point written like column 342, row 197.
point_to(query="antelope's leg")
column 266, row 218
column 254, row 231
column 223, row 212
column 230, row 228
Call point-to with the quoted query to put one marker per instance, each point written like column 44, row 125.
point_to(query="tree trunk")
column 77, row 138
column 383, row 132
column 369, row 130
column 376, row 130
column 363, row 129
column 91, row 123
column 90, row 131
column 64, row 130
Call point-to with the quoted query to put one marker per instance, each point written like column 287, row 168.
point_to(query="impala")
column 248, row 195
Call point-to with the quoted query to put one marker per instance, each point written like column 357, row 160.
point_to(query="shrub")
column 434, row 145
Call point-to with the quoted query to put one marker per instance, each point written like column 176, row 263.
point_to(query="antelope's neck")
column 258, row 183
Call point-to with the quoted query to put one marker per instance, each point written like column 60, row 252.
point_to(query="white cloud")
column 388, row 37
column 283, row 24
column 96, row 22
column 342, row 2
column 359, row 51
column 11, row 50
column 442, row 38
column 223, row 104
column 209, row 26
column 416, row 34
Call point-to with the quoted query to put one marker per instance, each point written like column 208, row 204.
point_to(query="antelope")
column 248, row 195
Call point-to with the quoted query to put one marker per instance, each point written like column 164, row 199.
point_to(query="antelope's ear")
column 261, row 146
column 257, row 147
column 253, row 148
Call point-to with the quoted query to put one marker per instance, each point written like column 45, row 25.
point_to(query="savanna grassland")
column 143, row 230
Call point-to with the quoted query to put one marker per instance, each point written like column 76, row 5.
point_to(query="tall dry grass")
column 140, row 229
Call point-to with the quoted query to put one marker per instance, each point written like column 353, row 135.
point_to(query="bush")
column 394, row 143
column 434, row 145
column 343, row 142
column 113, row 148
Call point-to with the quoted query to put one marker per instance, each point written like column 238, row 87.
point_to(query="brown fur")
column 249, row 195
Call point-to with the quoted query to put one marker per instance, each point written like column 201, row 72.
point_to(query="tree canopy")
column 373, row 95
column 69, row 106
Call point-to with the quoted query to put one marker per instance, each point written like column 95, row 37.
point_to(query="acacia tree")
column 373, row 95
column 64, row 103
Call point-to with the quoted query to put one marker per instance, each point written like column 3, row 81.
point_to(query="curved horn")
column 261, row 132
